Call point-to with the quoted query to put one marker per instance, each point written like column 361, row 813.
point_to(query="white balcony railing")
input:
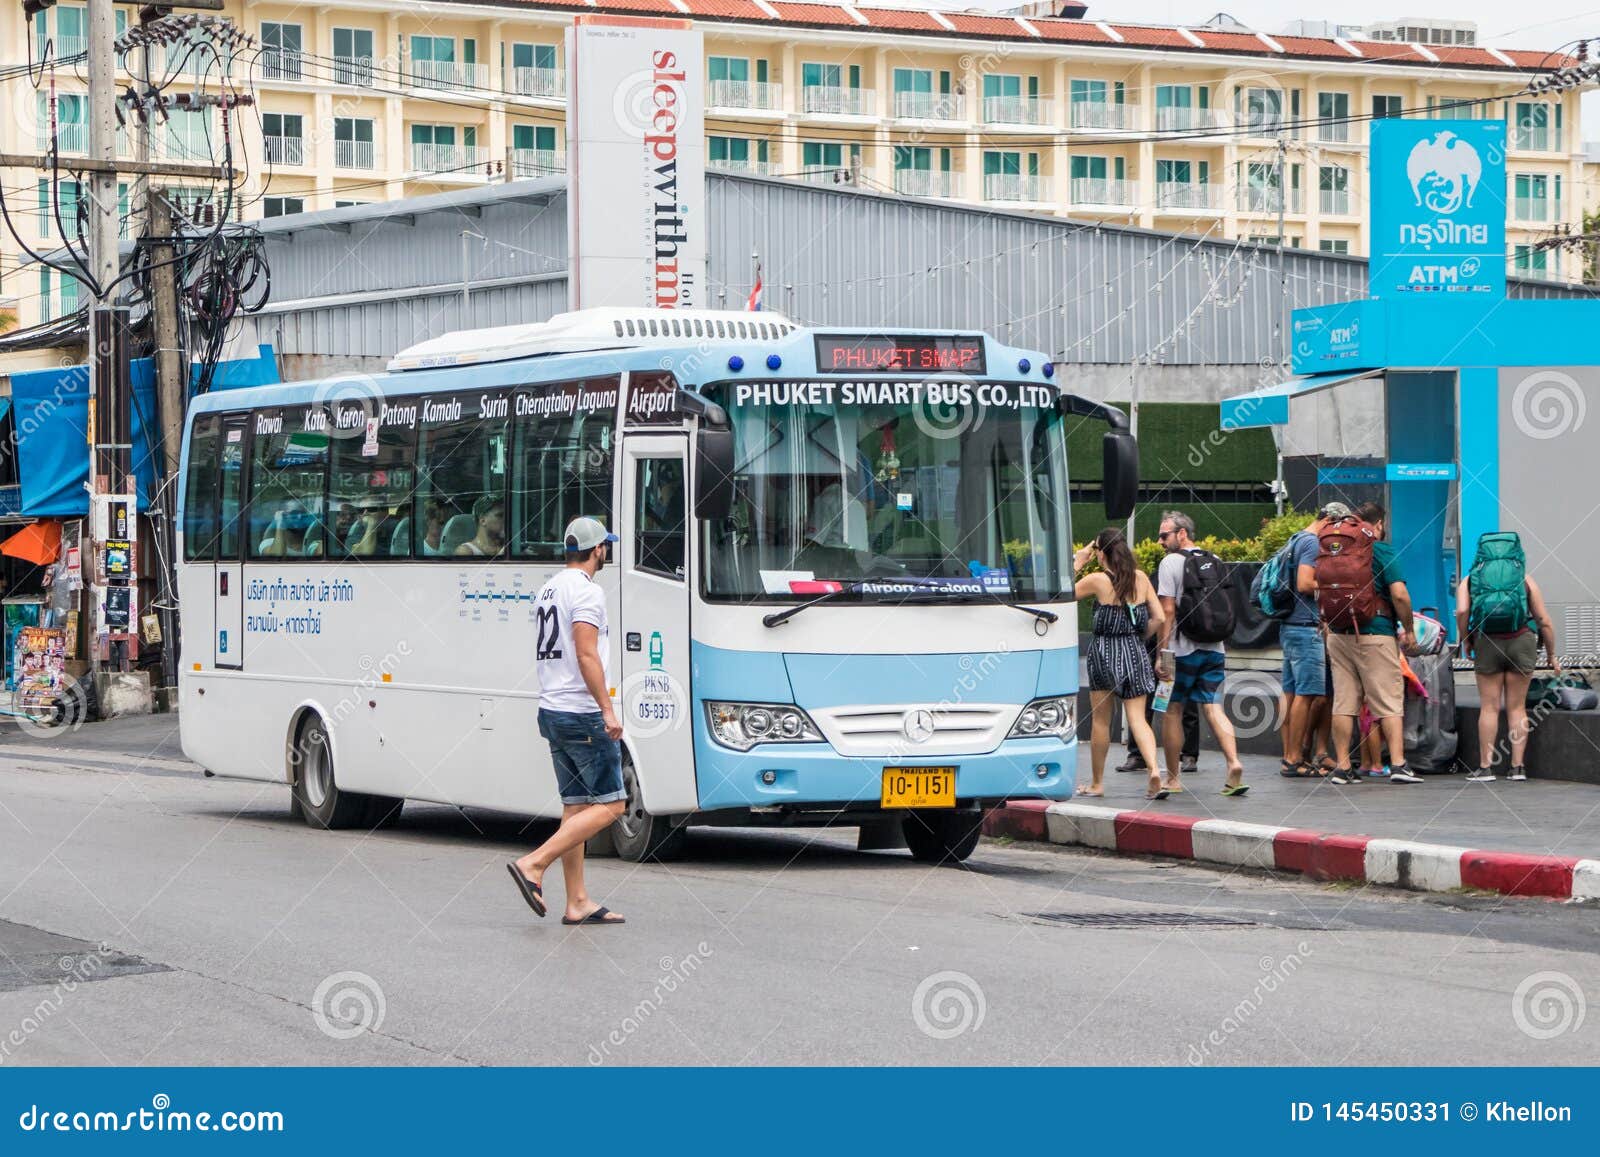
column 550, row 83
column 1187, row 195
column 281, row 64
column 448, row 74
column 926, row 183
column 64, row 47
column 1104, row 116
column 1531, row 138
column 1178, row 120
column 356, row 70
column 754, row 94
column 1101, row 191
column 460, row 159
column 1012, row 187
column 730, row 165
column 1015, row 110
column 70, row 137
column 1333, row 132
column 354, row 155
column 1335, row 202
column 285, row 150
column 537, row 162
column 930, row 106
column 1269, row 200
column 856, row 102
column 1535, row 209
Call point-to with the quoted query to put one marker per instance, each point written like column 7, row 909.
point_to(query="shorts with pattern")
column 1199, row 677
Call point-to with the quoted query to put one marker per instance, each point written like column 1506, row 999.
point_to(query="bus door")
column 656, row 561
column 228, row 581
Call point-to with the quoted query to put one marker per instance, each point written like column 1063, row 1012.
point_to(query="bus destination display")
column 929, row 353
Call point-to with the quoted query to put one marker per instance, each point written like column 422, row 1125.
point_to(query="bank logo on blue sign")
column 1438, row 207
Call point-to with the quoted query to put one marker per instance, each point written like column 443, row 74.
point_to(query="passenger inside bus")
column 490, row 514
column 286, row 538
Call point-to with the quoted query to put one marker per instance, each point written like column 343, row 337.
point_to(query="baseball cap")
column 1335, row 510
column 586, row 533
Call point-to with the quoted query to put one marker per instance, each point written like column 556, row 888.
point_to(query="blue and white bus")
column 842, row 592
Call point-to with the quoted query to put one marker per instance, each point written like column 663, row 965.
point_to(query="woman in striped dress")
column 1126, row 612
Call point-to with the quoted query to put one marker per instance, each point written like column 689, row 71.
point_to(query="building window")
column 1331, row 245
column 282, row 138
column 1537, row 197
column 534, row 71
column 1333, row 189
column 1182, row 106
column 352, row 56
column 1386, row 106
column 280, row 51
column 1536, row 126
column 1528, row 261
column 1333, row 116
column 72, row 122
column 352, row 143
column 282, row 206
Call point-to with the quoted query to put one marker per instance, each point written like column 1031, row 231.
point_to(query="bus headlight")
column 1054, row 715
column 743, row 725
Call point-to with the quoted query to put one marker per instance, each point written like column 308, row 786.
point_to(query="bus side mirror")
column 1120, row 479
column 713, row 473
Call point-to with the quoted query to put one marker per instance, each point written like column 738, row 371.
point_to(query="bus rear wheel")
column 316, row 793
column 942, row 837
column 637, row 835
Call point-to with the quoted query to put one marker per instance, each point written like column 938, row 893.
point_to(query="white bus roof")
column 583, row 331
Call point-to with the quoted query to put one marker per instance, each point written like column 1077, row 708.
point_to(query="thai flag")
column 754, row 304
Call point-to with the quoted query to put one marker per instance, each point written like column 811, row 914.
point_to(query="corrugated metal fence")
column 368, row 281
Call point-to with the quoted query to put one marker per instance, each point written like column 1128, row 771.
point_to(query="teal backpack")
column 1498, row 586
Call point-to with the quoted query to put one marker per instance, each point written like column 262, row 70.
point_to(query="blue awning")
column 52, row 414
column 1270, row 406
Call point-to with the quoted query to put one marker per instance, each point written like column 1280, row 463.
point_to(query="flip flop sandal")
column 1236, row 789
column 601, row 915
column 1163, row 793
column 1091, row 793
column 531, row 892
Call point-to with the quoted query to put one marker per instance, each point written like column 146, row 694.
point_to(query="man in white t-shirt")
column 1196, row 669
column 573, row 654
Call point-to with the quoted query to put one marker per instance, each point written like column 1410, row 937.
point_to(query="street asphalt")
column 152, row 916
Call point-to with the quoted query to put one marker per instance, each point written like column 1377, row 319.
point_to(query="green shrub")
column 1275, row 532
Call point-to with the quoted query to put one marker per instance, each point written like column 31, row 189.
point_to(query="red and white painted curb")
column 1320, row 855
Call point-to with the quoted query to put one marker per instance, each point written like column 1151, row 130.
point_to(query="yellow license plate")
column 919, row 787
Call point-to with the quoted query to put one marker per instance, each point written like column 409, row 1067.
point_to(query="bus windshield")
column 896, row 483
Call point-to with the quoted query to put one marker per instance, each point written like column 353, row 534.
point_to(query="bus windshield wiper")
column 778, row 618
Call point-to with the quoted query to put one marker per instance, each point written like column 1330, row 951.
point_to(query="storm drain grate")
column 1138, row 920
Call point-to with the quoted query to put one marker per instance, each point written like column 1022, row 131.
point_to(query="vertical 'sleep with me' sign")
column 1438, row 208
column 636, row 196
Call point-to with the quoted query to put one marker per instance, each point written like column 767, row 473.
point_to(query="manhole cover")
column 1138, row 920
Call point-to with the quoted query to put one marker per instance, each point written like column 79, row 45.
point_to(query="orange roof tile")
column 902, row 18
column 815, row 14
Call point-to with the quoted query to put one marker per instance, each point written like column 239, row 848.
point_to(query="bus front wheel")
column 637, row 835
column 942, row 837
column 316, row 793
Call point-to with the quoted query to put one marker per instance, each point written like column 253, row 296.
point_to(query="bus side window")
column 200, row 491
column 561, row 468
column 288, row 476
column 658, row 517
column 371, row 485
column 461, row 473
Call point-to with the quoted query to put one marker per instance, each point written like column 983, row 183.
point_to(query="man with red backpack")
column 1363, row 601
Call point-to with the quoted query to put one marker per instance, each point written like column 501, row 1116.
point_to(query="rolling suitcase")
column 1430, row 719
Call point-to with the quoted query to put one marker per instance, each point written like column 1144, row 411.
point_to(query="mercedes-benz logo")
column 918, row 725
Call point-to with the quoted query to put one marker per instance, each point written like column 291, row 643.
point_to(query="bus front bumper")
column 805, row 775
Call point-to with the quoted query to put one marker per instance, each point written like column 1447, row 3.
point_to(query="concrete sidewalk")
column 1539, row 837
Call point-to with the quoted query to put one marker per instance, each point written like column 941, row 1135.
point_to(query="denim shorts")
column 1199, row 677
column 1305, row 660
column 588, row 762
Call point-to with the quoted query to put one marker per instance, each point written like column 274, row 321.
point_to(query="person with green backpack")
column 1497, row 605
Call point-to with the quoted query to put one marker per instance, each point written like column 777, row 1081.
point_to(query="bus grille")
column 963, row 729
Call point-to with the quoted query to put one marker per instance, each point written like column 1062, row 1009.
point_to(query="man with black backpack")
column 1192, row 586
